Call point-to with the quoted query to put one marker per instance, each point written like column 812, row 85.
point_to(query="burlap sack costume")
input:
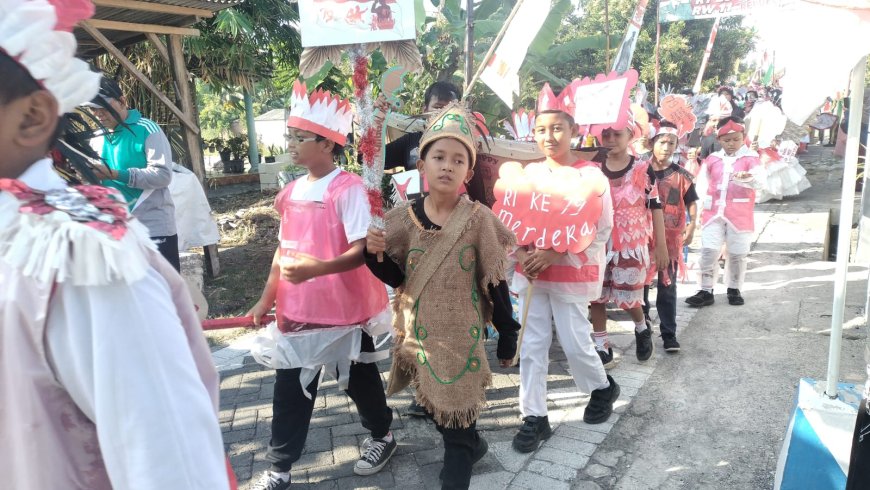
column 442, row 308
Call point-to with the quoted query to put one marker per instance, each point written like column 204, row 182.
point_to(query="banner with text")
column 548, row 208
column 674, row 10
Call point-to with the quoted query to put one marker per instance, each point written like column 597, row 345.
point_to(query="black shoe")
column 415, row 409
column 734, row 297
column 643, row 343
column 534, row 430
column 606, row 357
column 701, row 298
column 270, row 482
column 479, row 452
column 377, row 454
column 671, row 344
column 601, row 403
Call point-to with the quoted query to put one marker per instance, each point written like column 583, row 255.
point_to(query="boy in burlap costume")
column 450, row 281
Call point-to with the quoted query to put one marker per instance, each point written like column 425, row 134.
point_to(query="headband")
column 730, row 127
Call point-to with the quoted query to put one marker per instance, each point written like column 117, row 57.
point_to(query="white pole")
column 844, row 237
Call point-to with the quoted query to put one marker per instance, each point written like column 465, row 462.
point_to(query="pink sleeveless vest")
column 315, row 228
column 725, row 198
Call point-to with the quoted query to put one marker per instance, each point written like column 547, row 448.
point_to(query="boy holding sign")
column 556, row 287
column 446, row 256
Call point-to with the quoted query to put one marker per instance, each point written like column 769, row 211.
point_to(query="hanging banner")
column 339, row 22
column 626, row 50
column 501, row 72
column 674, row 10
column 603, row 102
column 697, row 87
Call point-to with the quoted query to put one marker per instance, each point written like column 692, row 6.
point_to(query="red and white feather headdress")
column 522, row 126
column 38, row 35
column 549, row 101
column 321, row 113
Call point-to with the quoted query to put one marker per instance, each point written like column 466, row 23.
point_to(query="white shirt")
column 121, row 354
column 352, row 205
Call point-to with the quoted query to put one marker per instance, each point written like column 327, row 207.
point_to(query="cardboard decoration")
column 678, row 110
column 640, row 118
column 550, row 208
column 337, row 22
column 603, row 102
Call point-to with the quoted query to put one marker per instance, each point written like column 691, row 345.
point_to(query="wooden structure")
column 120, row 23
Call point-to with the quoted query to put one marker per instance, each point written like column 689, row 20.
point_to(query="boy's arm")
column 503, row 320
column 689, row 232
column 661, row 251
column 386, row 270
column 122, row 355
column 270, row 291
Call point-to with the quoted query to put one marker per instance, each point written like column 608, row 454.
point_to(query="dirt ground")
column 249, row 229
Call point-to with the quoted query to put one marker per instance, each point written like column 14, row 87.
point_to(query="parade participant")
column 105, row 377
column 138, row 162
column 728, row 93
column 677, row 195
column 727, row 218
column 328, row 306
column 629, row 268
column 564, row 283
column 446, row 256
column 404, row 151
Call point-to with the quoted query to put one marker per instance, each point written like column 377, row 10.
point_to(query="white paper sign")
column 599, row 102
column 337, row 22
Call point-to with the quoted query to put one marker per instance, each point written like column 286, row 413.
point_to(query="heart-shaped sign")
column 550, row 208
column 678, row 110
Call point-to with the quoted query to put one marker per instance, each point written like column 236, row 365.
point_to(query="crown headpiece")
column 522, row 125
column 549, row 101
column 38, row 35
column 453, row 121
column 321, row 113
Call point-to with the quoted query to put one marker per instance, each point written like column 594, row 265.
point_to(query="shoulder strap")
column 452, row 231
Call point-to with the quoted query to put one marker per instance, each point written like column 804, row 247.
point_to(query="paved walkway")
column 336, row 435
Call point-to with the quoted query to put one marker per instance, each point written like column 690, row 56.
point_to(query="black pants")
column 168, row 247
column 291, row 409
column 459, row 446
column 666, row 302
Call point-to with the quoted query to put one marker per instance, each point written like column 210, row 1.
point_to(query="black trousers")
column 168, row 247
column 666, row 302
column 291, row 409
column 459, row 446
column 859, row 461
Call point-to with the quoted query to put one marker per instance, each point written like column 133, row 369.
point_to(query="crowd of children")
column 450, row 262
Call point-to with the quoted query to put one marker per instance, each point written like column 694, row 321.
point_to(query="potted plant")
column 220, row 145
column 238, row 147
column 273, row 152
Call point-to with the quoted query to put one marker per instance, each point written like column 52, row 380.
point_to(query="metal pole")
column 469, row 40
column 492, row 47
column 844, row 236
column 253, row 152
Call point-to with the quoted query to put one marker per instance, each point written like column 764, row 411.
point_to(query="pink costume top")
column 319, row 322
column 105, row 378
column 576, row 277
column 632, row 220
column 727, row 199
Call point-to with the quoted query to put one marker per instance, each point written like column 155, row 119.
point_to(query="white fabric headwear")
column 38, row 36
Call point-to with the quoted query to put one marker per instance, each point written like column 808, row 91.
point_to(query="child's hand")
column 258, row 311
column 376, row 241
column 300, row 268
column 522, row 254
column 744, row 175
column 688, row 234
column 661, row 256
column 539, row 260
column 505, row 363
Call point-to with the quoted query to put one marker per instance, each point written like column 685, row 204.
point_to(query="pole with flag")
column 697, row 88
column 500, row 68
column 622, row 63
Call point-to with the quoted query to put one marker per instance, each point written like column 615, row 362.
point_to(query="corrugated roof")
column 88, row 47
